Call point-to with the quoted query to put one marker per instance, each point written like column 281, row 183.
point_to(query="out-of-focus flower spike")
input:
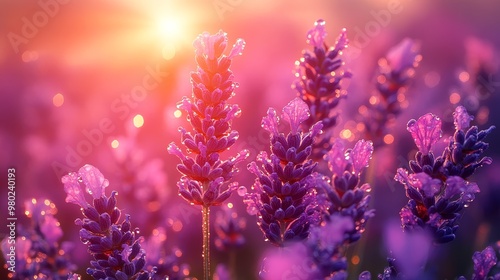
column 403, row 56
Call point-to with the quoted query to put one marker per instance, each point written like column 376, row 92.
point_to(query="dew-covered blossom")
column 206, row 177
column 437, row 187
column 165, row 262
column 114, row 246
column 344, row 193
column 394, row 75
column 38, row 252
column 282, row 196
column 319, row 83
column 229, row 230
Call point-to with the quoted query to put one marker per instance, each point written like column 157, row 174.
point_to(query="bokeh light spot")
column 463, row 76
column 229, row 205
column 454, row 98
column 177, row 226
column 346, row 134
column 388, row 139
column 115, row 144
column 432, row 79
column 355, row 260
column 58, row 100
column 138, row 121
column 177, row 113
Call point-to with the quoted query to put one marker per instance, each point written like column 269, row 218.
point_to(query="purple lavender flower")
column 319, row 81
column 437, row 188
column 344, row 194
column 283, row 197
column 394, row 76
column 39, row 255
column 206, row 178
column 463, row 155
column 115, row 247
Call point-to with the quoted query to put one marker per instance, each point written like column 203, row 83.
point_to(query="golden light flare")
column 138, row 121
column 115, row 144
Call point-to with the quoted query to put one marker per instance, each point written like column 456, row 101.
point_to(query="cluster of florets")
column 283, row 196
column 319, row 83
column 344, row 193
column 114, row 246
column 206, row 177
column 437, row 186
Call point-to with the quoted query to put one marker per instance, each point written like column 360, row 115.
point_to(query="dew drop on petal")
column 242, row 190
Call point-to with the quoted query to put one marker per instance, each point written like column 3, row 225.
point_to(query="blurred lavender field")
column 98, row 83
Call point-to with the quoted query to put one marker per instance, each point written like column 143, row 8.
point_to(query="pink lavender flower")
column 283, row 197
column 395, row 74
column 39, row 254
column 206, row 177
column 319, row 80
column 344, row 194
column 115, row 247
column 438, row 189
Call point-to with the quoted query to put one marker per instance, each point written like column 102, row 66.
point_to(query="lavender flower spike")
column 437, row 188
column 319, row 76
column 282, row 197
column 115, row 248
column 205, row 176
column 344, row 193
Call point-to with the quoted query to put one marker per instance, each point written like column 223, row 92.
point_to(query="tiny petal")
column 423, row 182
column 73, row 190
column 336, row 157
column 237, row 48
column 342, row 41
column 361, row 154
column 317, row 35
column 271, row 121
column 295, row 113
column 426, row 131
column 403, row 55
column 461, row 118
column 94, row 181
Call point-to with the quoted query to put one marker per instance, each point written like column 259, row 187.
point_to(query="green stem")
column 206, row 242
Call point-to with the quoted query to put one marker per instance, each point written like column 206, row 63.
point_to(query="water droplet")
column 242, row 191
